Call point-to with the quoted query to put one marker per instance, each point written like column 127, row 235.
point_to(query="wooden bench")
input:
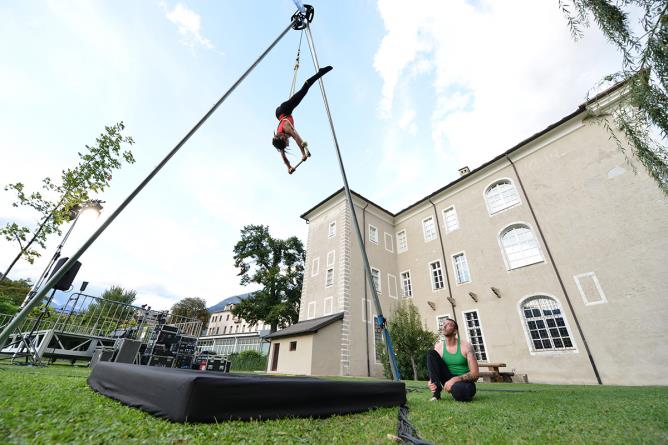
column 494, row 374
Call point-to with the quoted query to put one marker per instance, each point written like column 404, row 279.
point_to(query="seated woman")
column 286, row 126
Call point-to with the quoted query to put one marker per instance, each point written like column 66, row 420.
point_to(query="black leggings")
column 289, row 105
column 439, row 374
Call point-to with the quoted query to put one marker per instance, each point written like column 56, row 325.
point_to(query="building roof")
column 581, row 109
column 229, row 300
column 307, row 326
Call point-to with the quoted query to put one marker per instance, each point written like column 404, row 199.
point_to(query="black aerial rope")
column 405, row 430
column 14, row 323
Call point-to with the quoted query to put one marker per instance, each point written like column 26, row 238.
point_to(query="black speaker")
column 66, row 280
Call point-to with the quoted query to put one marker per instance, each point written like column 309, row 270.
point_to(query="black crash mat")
column 204, row 396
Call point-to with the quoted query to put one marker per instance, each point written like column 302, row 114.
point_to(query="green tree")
column 117, row 293
column 411, row 339
column 105, row 315
column 278, row 266
column 642, row 114
column 12, row 294
column 191, row 308
column 58, row 203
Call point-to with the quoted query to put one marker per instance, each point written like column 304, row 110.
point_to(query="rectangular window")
column 429, row 229
column 590, row 288
column 373, row 234
column 461, row 268
column 389, row 243
column 331, row 232
column 315, row 266
column 391, row 286
column 436, row 275
column 365, row 310
column 378, row 341
column 331, row 257
column 406, row 285
column 329, row 306
column 474, row 334
column 293, row 345
column 311, row 310
column 375, row 274
column 402, row 241
column 329, row 277
column 440, row 319
column 450, row 220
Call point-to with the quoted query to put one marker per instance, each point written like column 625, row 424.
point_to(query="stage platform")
column 184, row 395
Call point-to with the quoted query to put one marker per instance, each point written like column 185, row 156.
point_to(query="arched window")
column 520, row 247
column 545, row 324
column 501, row 195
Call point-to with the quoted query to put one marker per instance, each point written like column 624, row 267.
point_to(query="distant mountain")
column 229, row 300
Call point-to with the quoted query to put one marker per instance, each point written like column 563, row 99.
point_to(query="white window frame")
column 365, row 309
column 390, row 244
column 331, row 229
column 392, row 279
column 445, row 219
column 424, row 229
column 410, row 284
column 438, row 324
column 373, row 234
column 310, row 313
column 454, row 268
column 375, row 352
column 504, row 254
column 573, row 350
column 603, row 299
column 492, row 184
column 331, row 306
column 431, row 275
column 331, row 254
column 378, row 281
column 482, row 332
column 405, row 238
column 315, row 266
column 327, row 276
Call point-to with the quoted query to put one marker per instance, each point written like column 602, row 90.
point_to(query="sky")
column 415, row 94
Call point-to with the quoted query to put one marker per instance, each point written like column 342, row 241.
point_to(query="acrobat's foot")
column 324, row 70
column 291, row 170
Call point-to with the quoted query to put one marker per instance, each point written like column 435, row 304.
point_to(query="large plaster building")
column 226, row 334
column 552, row 257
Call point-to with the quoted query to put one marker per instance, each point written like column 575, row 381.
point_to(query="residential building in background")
column 226, row 334
column 551, row 257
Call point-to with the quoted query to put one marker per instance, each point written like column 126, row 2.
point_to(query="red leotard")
column 282, row 118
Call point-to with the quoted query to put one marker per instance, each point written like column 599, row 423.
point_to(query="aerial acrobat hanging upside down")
column 286, row 125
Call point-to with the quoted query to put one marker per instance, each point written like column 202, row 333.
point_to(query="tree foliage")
column 248, row 361
column 278, row 266
column 58, row 202
column 642, row 114
column 105, row 315
column 411, row 339
column 12, row 294
column 191, row 308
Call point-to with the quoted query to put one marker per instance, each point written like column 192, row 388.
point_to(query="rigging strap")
column 296, row 68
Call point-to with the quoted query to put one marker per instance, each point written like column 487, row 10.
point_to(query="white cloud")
column 499, row 72
column 188, row 23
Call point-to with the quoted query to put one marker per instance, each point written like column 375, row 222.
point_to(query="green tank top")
column 457, row 363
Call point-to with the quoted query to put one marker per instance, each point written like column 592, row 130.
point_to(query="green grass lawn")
column 54, row 405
